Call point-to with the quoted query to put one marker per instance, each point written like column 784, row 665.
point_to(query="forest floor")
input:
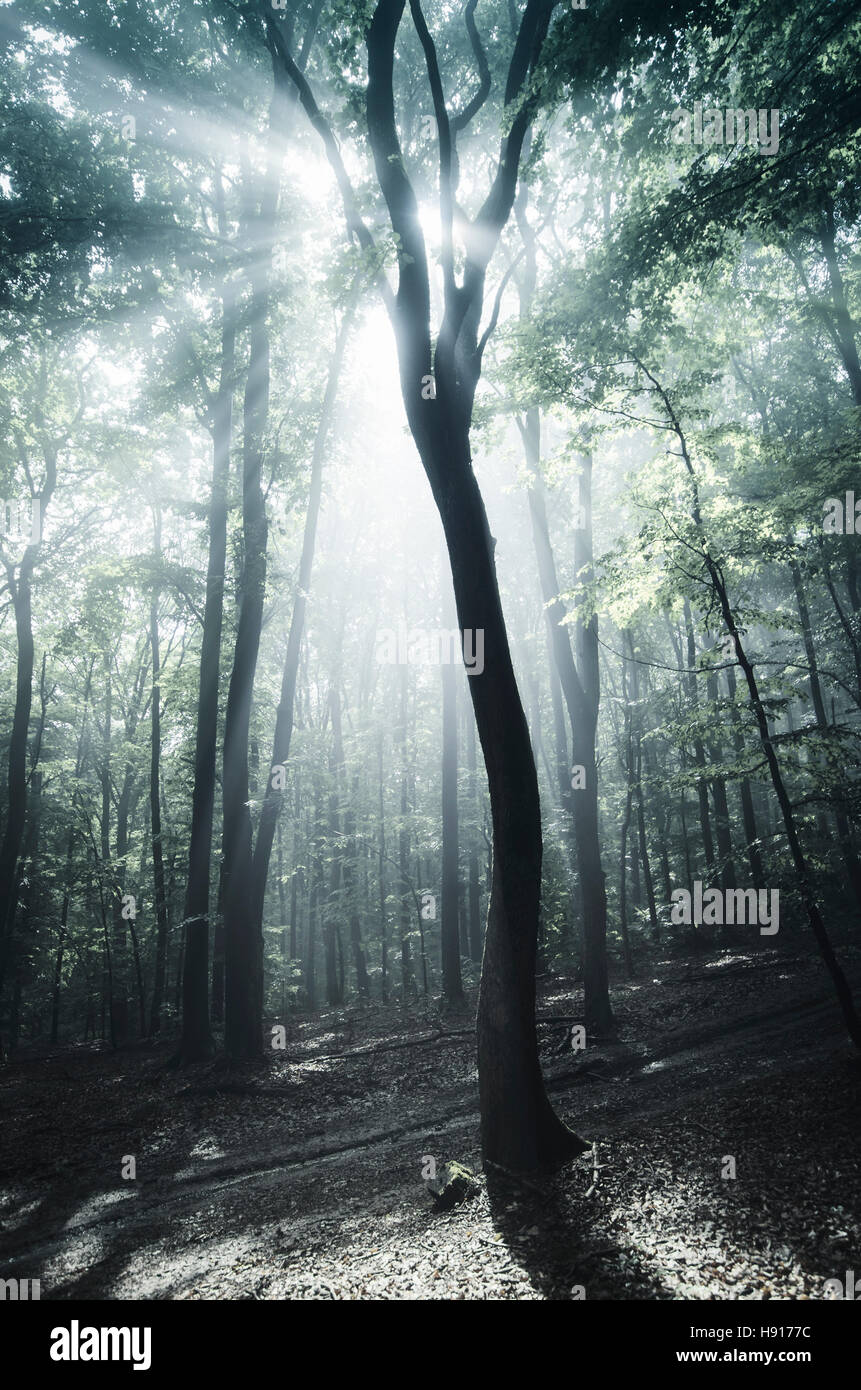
column 302, row 1178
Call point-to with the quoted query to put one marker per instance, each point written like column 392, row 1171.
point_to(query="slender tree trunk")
column 803, row 875
column 273, row 795
column 623, row 887
column 61, row 944
column 843, row 324
column 218, row 943
column 384, row 947
column 580, row 678
column 155, row 808
column 722, row 825
column 83, row 741
column 117, row 951
column 16, row 812
column 475, row 935
column 315, row 879
column 519, row 1127
column 196, row 1034
column 350, row 894
column 408, row 984
column 452, row 983
column 844, row 833
column 334, row 986
column 243, row 946
column 699, row 752
column 751, row 833
column 286, row 930
column 581, row 698
column 20, row 593
column 846, row 626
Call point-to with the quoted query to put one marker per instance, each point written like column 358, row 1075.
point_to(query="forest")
column 430, row 650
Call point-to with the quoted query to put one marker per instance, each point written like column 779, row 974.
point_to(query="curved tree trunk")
column 519, row 1127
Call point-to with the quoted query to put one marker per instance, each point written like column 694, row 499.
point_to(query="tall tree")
column 519, row 1127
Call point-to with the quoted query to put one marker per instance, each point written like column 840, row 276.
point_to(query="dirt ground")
column 302, row 1178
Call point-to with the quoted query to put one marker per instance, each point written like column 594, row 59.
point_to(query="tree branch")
column 412, row 321
column 446, row 192
column 463, row 118
column 355, row 223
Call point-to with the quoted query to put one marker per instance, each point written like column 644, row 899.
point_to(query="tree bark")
column 452, row 983
column 519, row 1127
column 197, row 1040
column 474, row 891
column 243, row 946
column 748, row 814
column 155, row 804
column 699, row 751
column 384, row 946
column 20, row 592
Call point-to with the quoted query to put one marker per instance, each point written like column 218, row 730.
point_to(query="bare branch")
column 494, row 318
column 463, row 118
column 355, row 222
column 446, row 191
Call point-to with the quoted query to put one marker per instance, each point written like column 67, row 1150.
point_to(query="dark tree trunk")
column 637, row 740
column 196, row 1034
column 16, row 813
column 844, row 833
column 848, row 630
column 475, row 937
column 751, row 833
column 452, row 983
column 274, row 793
column 20, row 593
column 315, row 878
column 699, row 752
column 117, row 950
column 350, row 892
column 384, row 946
column 155, row 810
column 581, row 698
column 841, row 318
column 661, row 819
column 243, row 946
column 408, row 983
column 284, row 931
column 803, row 875
column 519, row 1127
column 218, row 953
column 722, row 825
column 61, row 944
column 623, row 887
column 83, row 740
column 334, row 907
column 579, row 678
